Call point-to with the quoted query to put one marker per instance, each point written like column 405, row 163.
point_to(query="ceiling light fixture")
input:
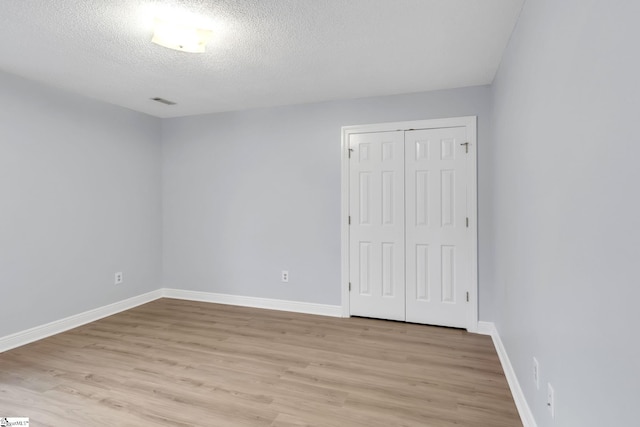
column 180, row 36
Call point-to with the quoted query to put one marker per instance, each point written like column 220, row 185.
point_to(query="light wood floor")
column 180, row 363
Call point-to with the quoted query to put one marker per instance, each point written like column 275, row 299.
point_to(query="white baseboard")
column 271, row 304
column 489, row 328
column 43, row 331
column 486, row 328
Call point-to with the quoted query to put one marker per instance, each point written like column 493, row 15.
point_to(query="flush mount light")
column 180, row 36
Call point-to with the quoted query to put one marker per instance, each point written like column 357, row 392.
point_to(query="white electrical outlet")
column 551, row 400
column 536, row 373
column 118, row 279
column 285, row 276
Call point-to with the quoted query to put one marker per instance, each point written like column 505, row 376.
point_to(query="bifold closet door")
column 437, row 234
column 376, row 241
column 409, row 242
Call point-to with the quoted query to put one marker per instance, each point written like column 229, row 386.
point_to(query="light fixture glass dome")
column 180, row 36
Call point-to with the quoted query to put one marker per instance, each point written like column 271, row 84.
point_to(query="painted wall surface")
column 566, row 208
column 248, row 194
column 79, row 201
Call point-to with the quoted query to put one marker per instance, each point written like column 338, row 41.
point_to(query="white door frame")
column 470, row 122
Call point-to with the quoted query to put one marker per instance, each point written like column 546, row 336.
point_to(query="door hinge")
column 466, row 147
column 349, row 286
column 467, row 296
column 350, row 151
column 467, row 222
column 349, row 219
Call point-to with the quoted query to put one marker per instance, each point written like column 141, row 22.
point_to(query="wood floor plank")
column 183, row 363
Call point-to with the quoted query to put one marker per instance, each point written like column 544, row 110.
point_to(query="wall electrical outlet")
column 285, row 276
column 551, row 404
column 536, row 373
column 118, row 279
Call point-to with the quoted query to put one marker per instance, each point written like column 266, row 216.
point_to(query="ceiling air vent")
column 163, row 101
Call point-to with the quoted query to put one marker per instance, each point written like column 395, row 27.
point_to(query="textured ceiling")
column 263, row 52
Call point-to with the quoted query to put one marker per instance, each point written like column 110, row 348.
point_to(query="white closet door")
column 376, row 238
column 437, row 238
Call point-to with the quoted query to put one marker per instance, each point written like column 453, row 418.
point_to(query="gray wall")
column 566, row 208
column 247, row 194
column 80, row 199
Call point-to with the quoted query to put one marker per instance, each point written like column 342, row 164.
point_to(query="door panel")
column 437, row 238
column 376, row 240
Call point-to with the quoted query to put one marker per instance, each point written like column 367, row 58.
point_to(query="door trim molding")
column 470, row 122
